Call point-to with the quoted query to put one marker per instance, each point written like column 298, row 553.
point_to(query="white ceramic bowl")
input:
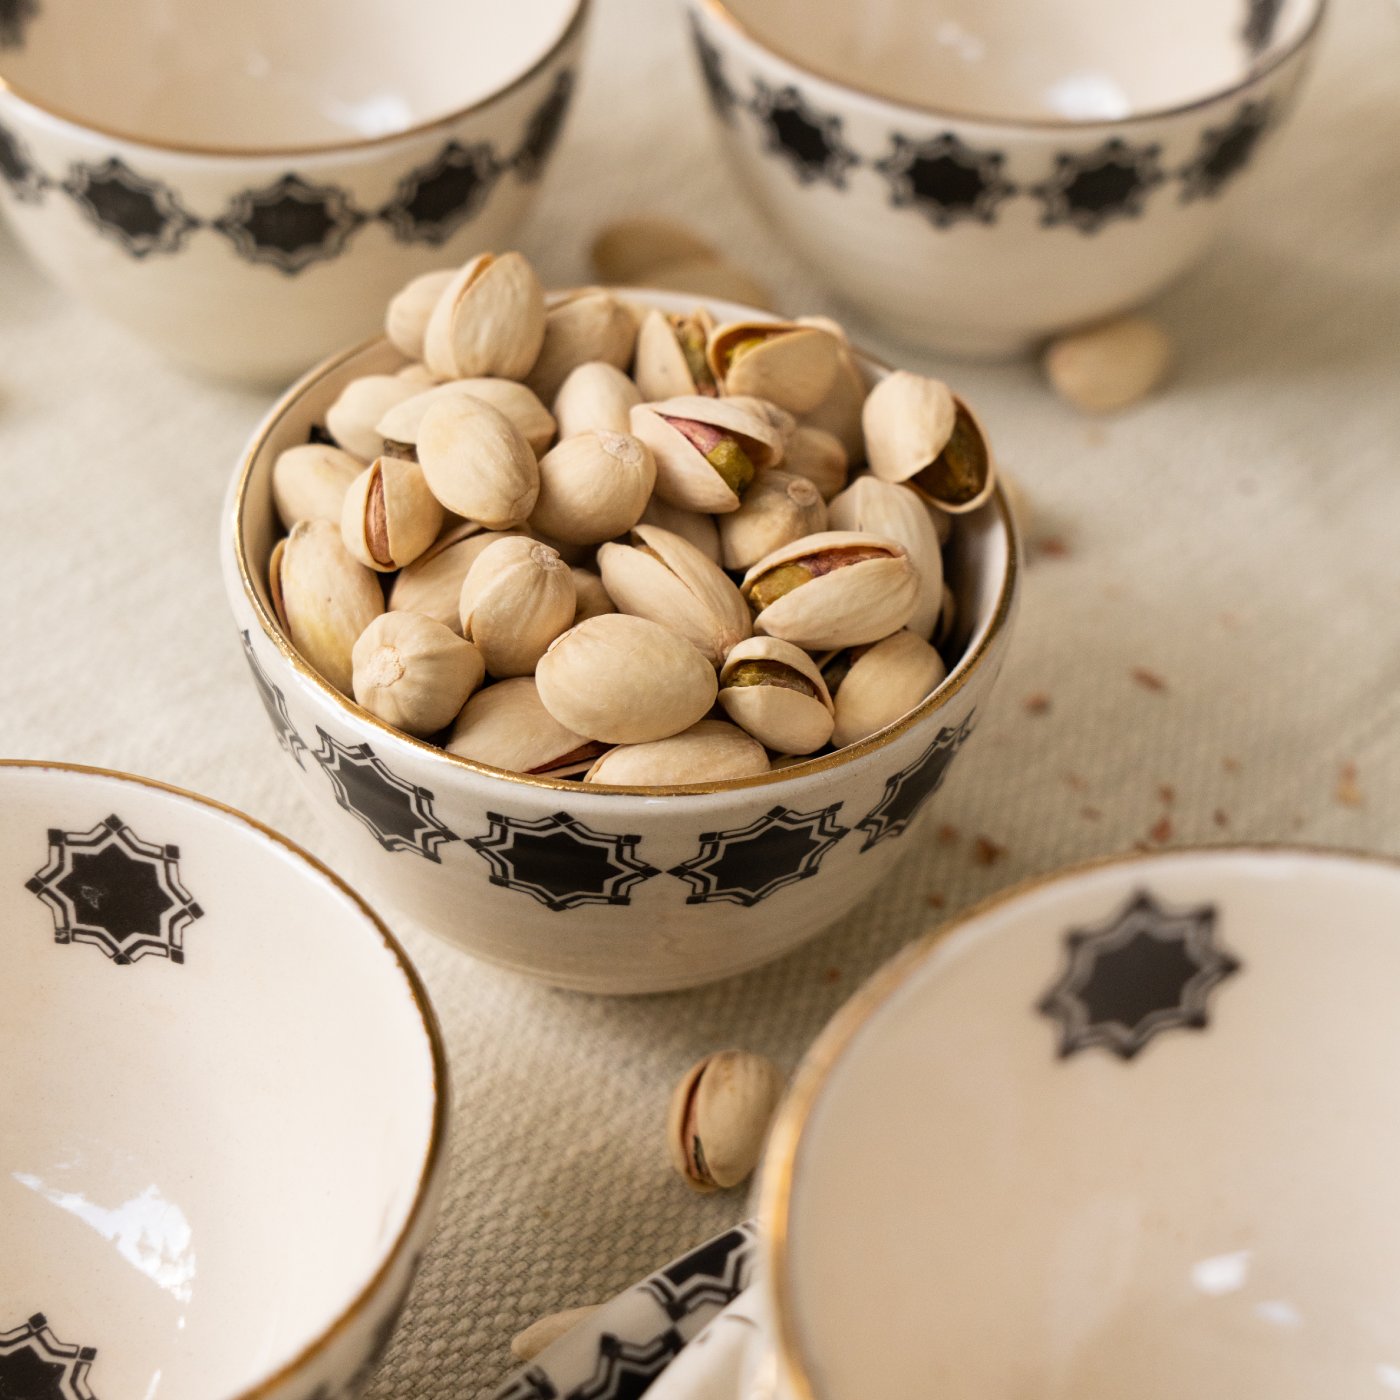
column 224, row 1104
column 977, row 177
column 1126, row 1131
column 243, row 185
column 589, row 886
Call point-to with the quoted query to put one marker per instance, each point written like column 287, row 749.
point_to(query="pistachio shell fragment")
column 507, row 726
column 595, row 397
column 777, row 509
column 477, row 463
column 399, row 427
column 719, row 1117
column 670, row 357
column 707, row 451
column 775, row 691
column 432, row 584
column 353, row 418
column 882, row 683
column 406, row 321
column 389, row 517
column 489, row 320
column 700, row 530
column 590, row 597
column 627, row 250
column 791, row 365
column 1107, row 367
column 587, row 325
column 708, row 752
column 516, row 599
column 309, row 482
column 593, row 487
column 414, row 673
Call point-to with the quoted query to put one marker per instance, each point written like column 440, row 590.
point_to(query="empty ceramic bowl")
column 244, row 185
column 224, row 1104
column 977, row 177
column 1126, row 1131
column 585, row 885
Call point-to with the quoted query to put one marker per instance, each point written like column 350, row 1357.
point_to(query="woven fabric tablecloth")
column 1208, row 649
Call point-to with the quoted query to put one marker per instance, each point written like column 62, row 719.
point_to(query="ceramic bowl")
column 224, row 1104
column 589, row 886
column 1126, row 1131
column 977, row 177
column 243, row 185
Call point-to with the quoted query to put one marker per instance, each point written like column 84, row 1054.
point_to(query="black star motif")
column 809, row 141
column 544, row 128
column 35, row 1365
column 625, row 1370
column 25, row 180
column 1261, row 18
column 749, row 863
column 142, row 215
column 109, row 888
column 560, row 861
column 722, row 96
column 435, row 200
column 15, row 17
column 290, row 224
column 946, row 179
column 275, row 703
column 908, row 790
column 1107, row 183
column 712, row 1276
column 1224, row 151
column 1147, row 970
column 395, row 812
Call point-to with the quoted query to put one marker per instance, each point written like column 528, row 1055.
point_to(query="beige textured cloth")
column 1233, row 543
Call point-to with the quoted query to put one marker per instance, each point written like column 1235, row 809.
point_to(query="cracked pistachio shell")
column 791, row 365
column 587, row 325
column 324, row 598
column 507, row 726
column 625, row 680
column 661, row 367
column 819, row 456
column 840, row 412
column 708, row 752
column 665, row 578
column 775, row 691
column 414, row 673
column 595, row 397
column 777, row 509
column 489, row 320
column 719, row 1117
column 309, row 482
column 590, row 597
column 857, row 588
column 432, row 584
column 886, row 508
column 884, row 683
column 627, row 250
column 536, row 424
column 684, row 476
column 593, row 487
column 389, row 517
column 406, row 321
column 700, row 530
column 516, row 599
column 477, row 463
column 353, row 419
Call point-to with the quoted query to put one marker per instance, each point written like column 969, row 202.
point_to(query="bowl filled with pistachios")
column 619, row 639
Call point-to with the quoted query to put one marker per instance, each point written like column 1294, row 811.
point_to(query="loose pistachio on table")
column 719, row 1116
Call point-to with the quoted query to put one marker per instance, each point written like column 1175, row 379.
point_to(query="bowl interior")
column 1159, row 1163
column 205, row 1157
column 269, row 74
column 1079, row 60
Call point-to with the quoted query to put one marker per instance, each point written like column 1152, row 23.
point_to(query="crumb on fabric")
column 1231, row 765
column 1220, row 817
column 1148, row 680
column 1161, row 832
column 935, row 901
column 986, row 851
column 1348, row 789
column 1037, row 704
column 1053, row 547
column 947, row 834
column 831, row 975
column 1075, row 783
column 1166, row 793
column 1090, row 814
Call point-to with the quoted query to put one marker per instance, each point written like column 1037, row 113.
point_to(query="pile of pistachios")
column 588, row 539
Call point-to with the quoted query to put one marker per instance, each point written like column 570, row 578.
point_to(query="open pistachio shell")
column 593, row 487
column 777, row 509
column 489, row 320
column 406, row 321
column 708, row 752
column 587, row 325
column 507, row 726
column 400, row 425
column 389, row 517
column 477, row 463
column 595, row 397
column 791, row 365
column 840, row 412
column 352, row 420
column 963, row 476
column 819, row 456
column 516, row 599
column 432, row 584
column 309, row 482
column 414, row 673
column 670, row 355
column 883, row 683
column 775, row 691
column 718, row 1118
column 713, row 480
column 700, row 530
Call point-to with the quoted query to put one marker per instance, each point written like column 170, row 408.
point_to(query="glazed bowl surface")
column 226, row 1114
column 1127, row 1130
column 584, row 885
column 976, row 178
column 242, row 185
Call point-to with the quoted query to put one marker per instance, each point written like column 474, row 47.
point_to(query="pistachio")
column 779, row 419
column 1107, row 367
column 489, row 320
column 707, row 451
column 586, row 325
column 527, row 1345
column 309, row 482
column 878, row 684
column 778, row 508
column 389, row 517
column 791, row 365
column 667, row 579
column 719, row 1118
column 417, row 374
column 516, row 599
column 406, row 321
column 700, row 530
column 477, row 463
column 595, row 397
column 399, row 427
column 964, row 475
column 432, row 584
column 324, row 598
column 775, row 691
column 947, row 616
column 626, row 251
column 819, row 456
column 590, row 596
column 840, row 412
column 507, row 726
column 670, row 360
column 593, row 487
column 711, row 277
column 351, row 420
column 835, row 589
column 414, row 673
column 708, row 752
column 942, row 522
column 625, row 680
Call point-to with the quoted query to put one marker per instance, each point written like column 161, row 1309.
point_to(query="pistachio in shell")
column 477, row 463
column 707, row 451
column 593, row 487
column 507, row 726
column 699, row 529
column 595, row 397
column 389, row 517
column 881, row 683
column 516, row 599
column 432, row 584
column 309, row 482
column 775, row 692
column 819, row 456
column 777, row 509
column 406, row 320
column 414, row 673
column 791, row 365
column 352, row 420
column 489, row 320
column 399, row 427
column 590, row 597
column 719, row 1116
column 840, row 412
column 708, row 752
column 583, row 326
column 670, row 355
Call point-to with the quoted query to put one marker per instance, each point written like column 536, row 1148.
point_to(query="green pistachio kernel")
column 960, row 470
column 777, row 583
column 732, row 463
column 761, row 672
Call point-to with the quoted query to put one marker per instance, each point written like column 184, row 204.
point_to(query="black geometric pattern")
column 15, row 17
column 290, row 224
column 35, row 1365
column 712, row 1276
column 16, row 169
column 530, row 1384
column 275, row 703
column 946, row 179
column 109, row 888
column 908, row 790
column 1261, row 19
column 143, row 216
column 1146, row 970
column 398, row 814
column 435, row 200
column 749, row 863
column 808, row 140
column 722, row 96
column 1107, row 183
column 626, row 1370
column 560, row 861
column 1224, row 152
column 544, row 128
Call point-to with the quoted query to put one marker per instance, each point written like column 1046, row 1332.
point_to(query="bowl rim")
column 773, row 1196
column 433, row 1157
column 1258, row 69
column 219, row 151
column 972, row 660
